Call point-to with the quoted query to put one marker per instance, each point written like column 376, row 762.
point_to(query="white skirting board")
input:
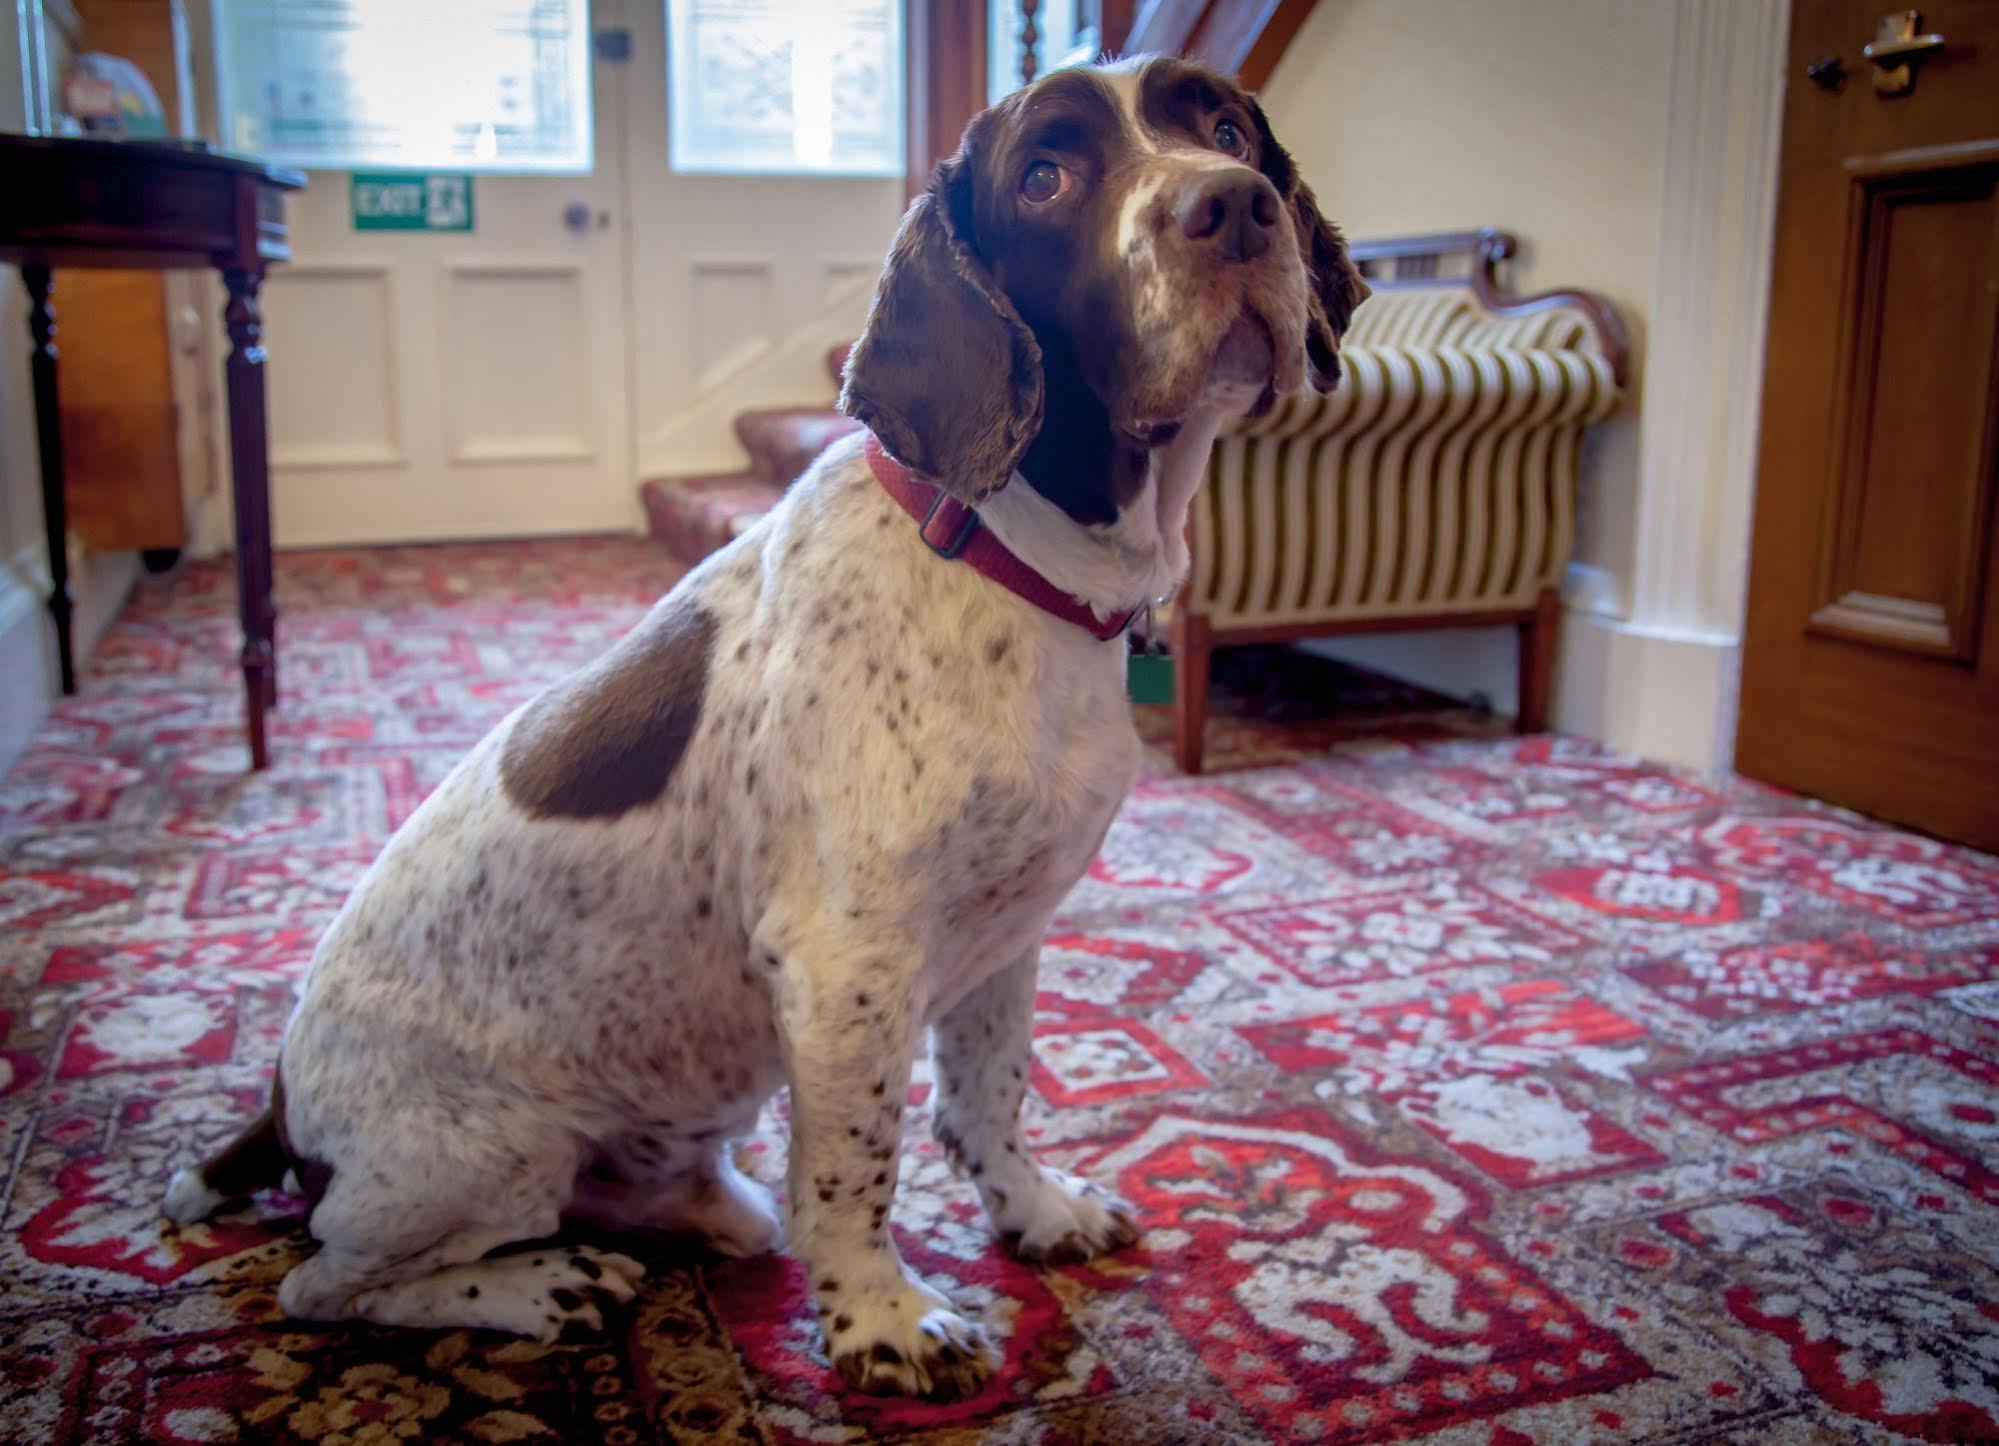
column 99, row 583
column 1669, row 697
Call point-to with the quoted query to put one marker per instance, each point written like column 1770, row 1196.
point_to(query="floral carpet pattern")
column 1487, row 1089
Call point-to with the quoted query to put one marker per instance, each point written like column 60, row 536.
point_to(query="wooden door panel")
column 1870, row 671
column 1905, row 545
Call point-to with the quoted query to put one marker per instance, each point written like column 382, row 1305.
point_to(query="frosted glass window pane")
column 1061, row 38
column 785, row 85
column 461, row 85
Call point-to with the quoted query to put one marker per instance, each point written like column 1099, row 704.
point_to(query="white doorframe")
column 1662, row 680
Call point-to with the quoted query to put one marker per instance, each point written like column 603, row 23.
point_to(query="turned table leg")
column 48, row 429
column 249, row 464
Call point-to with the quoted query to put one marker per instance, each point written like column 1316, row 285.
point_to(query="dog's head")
column 1110, row 250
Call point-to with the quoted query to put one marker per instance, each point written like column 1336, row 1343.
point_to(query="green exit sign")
column 411, row 202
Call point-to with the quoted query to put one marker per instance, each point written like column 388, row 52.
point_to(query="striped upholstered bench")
column 1436, row 487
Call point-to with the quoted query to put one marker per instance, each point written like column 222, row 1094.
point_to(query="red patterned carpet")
column 1505, row 1090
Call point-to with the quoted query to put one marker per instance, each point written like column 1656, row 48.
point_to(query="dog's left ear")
column 945, row 373
column 1337, row 285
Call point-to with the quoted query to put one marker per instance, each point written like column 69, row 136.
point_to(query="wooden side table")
column 162, row 206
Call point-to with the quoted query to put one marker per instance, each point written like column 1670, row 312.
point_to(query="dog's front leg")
column 983, row 1056
column 850, row 1037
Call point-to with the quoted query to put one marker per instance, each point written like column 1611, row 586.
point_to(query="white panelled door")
column 741, row 283
column 458, row 385
column 521, row 379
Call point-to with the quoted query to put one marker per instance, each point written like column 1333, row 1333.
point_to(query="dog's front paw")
column 908, row 1342
column 1061, row 1220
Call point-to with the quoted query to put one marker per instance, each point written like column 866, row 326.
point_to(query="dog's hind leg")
column 409, row 1245
column 682, row 1187
column 982, row 1049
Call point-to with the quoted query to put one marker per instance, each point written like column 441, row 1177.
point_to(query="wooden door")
column 1870, row 672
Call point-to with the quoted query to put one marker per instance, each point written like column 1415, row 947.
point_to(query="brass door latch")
column 1897, row 47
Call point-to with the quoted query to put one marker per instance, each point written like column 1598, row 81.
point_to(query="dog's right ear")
column 945, row 373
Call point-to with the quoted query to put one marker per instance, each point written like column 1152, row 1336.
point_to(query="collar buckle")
column 958, row 541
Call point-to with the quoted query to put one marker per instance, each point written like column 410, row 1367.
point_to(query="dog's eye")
column 1230, row 139
column 1043, row 182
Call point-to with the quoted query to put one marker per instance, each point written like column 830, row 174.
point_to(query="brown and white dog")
column 827, row 795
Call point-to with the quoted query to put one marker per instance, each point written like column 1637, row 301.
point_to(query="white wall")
column 1592, row 128
column 98, row 582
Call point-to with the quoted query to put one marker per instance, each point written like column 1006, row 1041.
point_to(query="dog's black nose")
column 1234, row 211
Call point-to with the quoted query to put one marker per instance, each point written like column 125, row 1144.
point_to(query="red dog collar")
column 953, row 530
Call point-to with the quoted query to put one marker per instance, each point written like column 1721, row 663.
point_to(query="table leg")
column 48, row 428
column 249, row 464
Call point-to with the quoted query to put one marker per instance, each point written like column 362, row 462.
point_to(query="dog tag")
column 1148, row 677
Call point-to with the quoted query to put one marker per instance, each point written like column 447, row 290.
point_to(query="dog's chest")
column 1026, row 835
column 966, row 750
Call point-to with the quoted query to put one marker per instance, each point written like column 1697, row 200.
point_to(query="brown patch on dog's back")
column 608, row 738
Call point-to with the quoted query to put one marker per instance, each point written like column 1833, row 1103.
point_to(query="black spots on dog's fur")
column 471, row 1292
column 704, row 906
column 608, row 738
column 828, row 1286
column 566, row 1298
column 996, row 649
column 842, row 1323
column 590, row 1268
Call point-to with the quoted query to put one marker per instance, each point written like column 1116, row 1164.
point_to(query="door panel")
column 458, row 385
column 519, row 356
column 339, row 416
column 1871, row 657
column 1905, row 569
